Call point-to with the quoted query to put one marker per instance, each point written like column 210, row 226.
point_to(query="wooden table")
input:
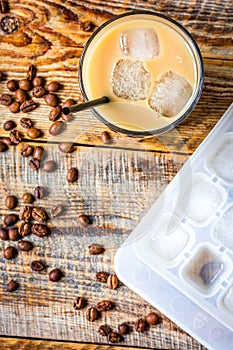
column 117, row 182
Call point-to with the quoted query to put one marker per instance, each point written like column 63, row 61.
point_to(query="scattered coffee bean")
column 38, row 152
column 3, row 146
column 25, row 212
column 34, row 164
column 39, row 192
column 28, row 106
column 53, row 86
column 50, row 166
column 9, row 125
column 31, row 72
column 25, row 246
column 26, row 123
column 84, row 220
column 95, row 249
column 25, row 229
column 11, row 219
column 9, row 24
column 28, row 198
column 11, row 202
column 79, row 303
column 15, row 137
column 55, row 211
column 37, row 266
column 4, row 234
column 55, row 275
column 7, row 142
column 12, row 85
column 25, row 84
column 106, row 138
column 51, row 100
column 140, row 325
column 38, row 91
column 55, row 113
column 87, row 26
column 33, row 133
column 91, row 314
column 123, row 328
column 26, row 150
column 14, row 234
column 21, row 95
column 66, row 147
column 102, row 276
column 12, row 286
column 72, row 175
column 104, row 330
column 38, row 81
column 68, row 103
column 5, row 99
column 104, row 305
column 56, row 128
column 153, row 319
column 10, row 253
column 40, row 230
column 39, row 214
column 114, row 337
column 14, row 107
column 112, row 281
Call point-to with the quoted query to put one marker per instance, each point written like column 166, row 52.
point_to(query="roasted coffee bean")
column 79, row 303
column 11, row 202
column 26, row 123
column 15, row 137
column 14, row 234
column 51, row 100
column 34, row 164
column 123, row 329
column 4, row 6
column 5, row 99
column 84, row 220
column 104, row 330
column 114, row 337
column 33, row 133
column 25, row 212
column 31, row 72
column 14, row 107
column 9, row 125
column 153, row 319
column 40, row 230
column 95, row 249
column 10, row 253
column 7, row 141
column 28, row 198
column 66, row 147
column 25, row 84
column 39, row 192
column 38, row 152
column 9, row 24
column 25, row 229
column 55, row 211
column 53, row 86
column 140, row 325
column 12, row 85
column 56, row 128
column 10, row 219
column 102, row 276
column 91, row 314
column 104, row 305
column 37, row 266
column 66, row 117
column 55, row 113
column 21, row 95
column 12, row 286
column 28, row 106
column 3, row 146
column 38, row 91
column 38, row 81
column 112, row 281
column 106, row 138
column 72, row 175
column 26, row 150
column 55, row 275
column 25, row 246
column 39, row 214
column 50, row 166
column 4, row 234
column 68, row 103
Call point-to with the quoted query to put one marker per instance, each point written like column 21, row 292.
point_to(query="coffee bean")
column 123, row 329
column 12, row 286
column 38, row 81
column 40, row 230
column 140, row 325
column 49, row 166
column 26, row 150
column 112, row 281
column 104, row 330
column 153, row 319
column 106, row 138
column 66, row 147
column 14, row 107
column 21, row 95
column 7, row 142
column 15, row 136
column 37, row 266
column 11, row 219
column 34, row 164
column 10, row 253
column 3, row 147
column 104, row 305
column 84, row 220
column 11, row 202
column 68, row 103
column 25, row 212
column 9, row 125
column 95, row 249
column 79, row 303
column 5, row 99
column 38, row 152
column 38, row 91
column 53, row 86
column 4, row 234
column 91, row 314
column 9, row 24
column 102, row 276
column 55, row 211
column 87, row 26
column 28, row 106
column 72, row 175
column 114, row 337
column 39, row 192
column 25, row 84
column 55, row 275
column 31, row 72
column 56, row 128
column 33, row 133
column 51, row 100
column 13, row 234
column 26, row 123
column 28, row 198
column 25, row 229
column 39, row 214
column 12, row 85
column 25, row 246
column 55, row 113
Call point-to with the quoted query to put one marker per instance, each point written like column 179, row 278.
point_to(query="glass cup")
column 150, row 68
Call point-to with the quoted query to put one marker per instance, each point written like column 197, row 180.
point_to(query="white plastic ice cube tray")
column 180, row 256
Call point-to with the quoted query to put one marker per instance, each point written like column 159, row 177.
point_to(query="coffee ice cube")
column 170, row 94
column 130, row 80
column 140, row 43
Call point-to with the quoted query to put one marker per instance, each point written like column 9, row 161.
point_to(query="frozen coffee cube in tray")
column 170, row 94
column 140, row 43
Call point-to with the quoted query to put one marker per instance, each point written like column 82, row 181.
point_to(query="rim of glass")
column 137, row 133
